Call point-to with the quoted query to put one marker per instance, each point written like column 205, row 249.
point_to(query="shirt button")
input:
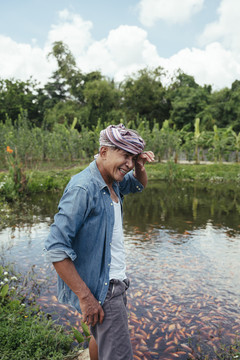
column 111, row 203
column 110, row 243
column 104, row 193
column 108, row 264
column 100, row 302
column 105, row 283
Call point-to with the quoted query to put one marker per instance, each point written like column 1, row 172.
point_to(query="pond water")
column 182, row 248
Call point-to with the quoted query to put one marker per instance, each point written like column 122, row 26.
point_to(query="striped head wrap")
column 120, row 137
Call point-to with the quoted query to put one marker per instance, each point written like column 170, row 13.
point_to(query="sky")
column 120, row 37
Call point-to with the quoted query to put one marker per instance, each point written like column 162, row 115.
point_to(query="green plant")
column 172, row 171
column 16, row 182
column 82, row 337
column 231, row 352
column 25, row 331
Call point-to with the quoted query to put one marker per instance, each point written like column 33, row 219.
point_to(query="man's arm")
column 140, row 171
column 91, row 309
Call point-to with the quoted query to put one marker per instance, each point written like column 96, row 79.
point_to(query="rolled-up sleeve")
column 130, row 184
column 58, row 255
column 73, row 209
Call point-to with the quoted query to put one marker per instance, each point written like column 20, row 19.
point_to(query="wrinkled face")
column 117, row 163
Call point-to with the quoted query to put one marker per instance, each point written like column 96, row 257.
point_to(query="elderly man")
column 85, row 243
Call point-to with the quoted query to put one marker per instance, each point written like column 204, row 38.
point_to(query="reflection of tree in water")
column 30, row 210
column 184, row 206
column 178, row 207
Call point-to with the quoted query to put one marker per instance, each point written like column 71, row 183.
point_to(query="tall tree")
column 68, row 77
column 144, row 95
column 188, row 100
column 17, row 96
column 102, row 100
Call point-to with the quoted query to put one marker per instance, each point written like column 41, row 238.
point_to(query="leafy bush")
column 25, row 331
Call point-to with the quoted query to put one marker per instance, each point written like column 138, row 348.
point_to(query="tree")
column 63, row 112
column 236, row 146
column 217, row 107
column 17, row 96
column 233, row 106
column 188, row 100
column 224, row 107
column 145, row 95
column 102, row 100
column 69, row 78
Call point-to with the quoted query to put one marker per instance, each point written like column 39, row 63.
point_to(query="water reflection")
column 183, row 249
column 33, row 210
column 184, row 207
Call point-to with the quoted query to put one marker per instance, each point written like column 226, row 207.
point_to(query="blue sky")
column 121, row 37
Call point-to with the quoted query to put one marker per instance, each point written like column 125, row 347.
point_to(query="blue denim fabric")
column 82, row 230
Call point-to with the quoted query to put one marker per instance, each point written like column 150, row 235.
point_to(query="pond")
column 182, row 248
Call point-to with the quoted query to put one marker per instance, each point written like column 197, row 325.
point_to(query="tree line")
column 70, row 94
column 62, row 119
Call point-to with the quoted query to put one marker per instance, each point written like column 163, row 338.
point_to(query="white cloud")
column 227, row 28
column 73, row 31
column 21, row 61
column 125, row 50
column 213, row 65
column 173, row 11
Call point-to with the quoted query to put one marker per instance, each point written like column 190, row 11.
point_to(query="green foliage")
column 229, row 352
column 101, row 99
column 26, row 332
column 62, row 113
column 64, row 143
column 188, row 100
column 70, row 93
column 82, row 337
column 61, row 121
column 15, row 183
column 213, row 173
column 145, row 95
column 4, row 291
column 17, row 96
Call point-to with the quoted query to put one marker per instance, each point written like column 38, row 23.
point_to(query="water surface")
column 182, row 247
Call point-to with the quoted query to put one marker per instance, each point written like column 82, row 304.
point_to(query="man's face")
column 117, row 164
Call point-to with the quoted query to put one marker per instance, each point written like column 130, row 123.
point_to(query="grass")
column 190, row 172
column 57, row 178
column 25, row 331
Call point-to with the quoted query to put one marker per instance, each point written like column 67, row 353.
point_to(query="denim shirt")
column 82, row 230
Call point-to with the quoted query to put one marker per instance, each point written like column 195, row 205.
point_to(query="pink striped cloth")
column 122, row 138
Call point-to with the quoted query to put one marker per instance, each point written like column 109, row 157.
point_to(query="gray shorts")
column 112, row 336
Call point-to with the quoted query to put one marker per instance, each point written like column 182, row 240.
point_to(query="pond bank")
column 56, row 179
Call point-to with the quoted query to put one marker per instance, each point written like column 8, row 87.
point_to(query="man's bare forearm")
column 68, row 273
column 91, row 309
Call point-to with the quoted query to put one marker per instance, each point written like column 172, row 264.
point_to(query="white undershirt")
column 118, row 266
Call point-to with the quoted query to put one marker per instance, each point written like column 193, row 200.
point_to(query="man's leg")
column 93, row 349
column 112, row 336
